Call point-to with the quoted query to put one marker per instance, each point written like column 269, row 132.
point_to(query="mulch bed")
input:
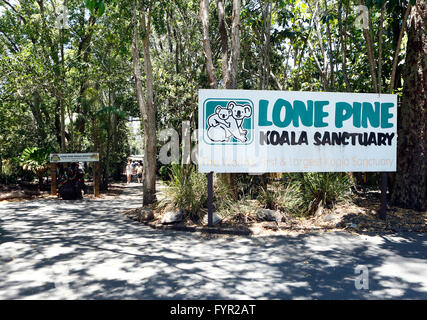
column 360, row 216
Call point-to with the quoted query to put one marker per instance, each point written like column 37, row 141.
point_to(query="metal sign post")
column 53, row 190
column 210, row 205
column 383, row 207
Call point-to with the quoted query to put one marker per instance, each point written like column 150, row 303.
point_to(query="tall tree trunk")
column 210, row 68
column 147, row 108
column 396, row 54
column 343, row 39
column 410, row 189
column 224, row 44
column 149, row 186
column 331, row 58
column 265, row 69
column 61, row 93
column 367, row 34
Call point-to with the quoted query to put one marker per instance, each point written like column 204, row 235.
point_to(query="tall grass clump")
column 187, row 189
column 324, row 189
column 301, row 194
column 286, row 197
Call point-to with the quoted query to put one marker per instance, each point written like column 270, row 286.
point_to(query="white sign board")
column 285, row 131
column 73, row 157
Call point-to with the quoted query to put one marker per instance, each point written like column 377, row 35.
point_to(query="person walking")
column 129, row 171
column 139, row 171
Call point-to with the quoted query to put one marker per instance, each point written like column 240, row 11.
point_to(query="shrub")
column 290, row 199
column 224, row 201
column 324, row 189
column 303, row 193
column 226, row 204
column 287, row 198
column 268, row 197
column 164, row 172
column 249, row 186
column 187, row 189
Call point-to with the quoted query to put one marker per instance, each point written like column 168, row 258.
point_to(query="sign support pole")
column 96, row 179
column 53, row 190
column 210, row 207
column 383, row 207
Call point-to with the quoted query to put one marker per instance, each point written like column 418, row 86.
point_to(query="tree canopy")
column 67, row 67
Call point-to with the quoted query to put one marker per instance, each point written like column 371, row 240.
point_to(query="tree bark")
column 147, row 107
column 410, row 189
column 370, row 49
column 396, row 54
column 210, row 68
column 224, row 44
column 149, row 121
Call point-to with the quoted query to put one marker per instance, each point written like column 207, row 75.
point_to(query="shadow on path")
column 53, row 249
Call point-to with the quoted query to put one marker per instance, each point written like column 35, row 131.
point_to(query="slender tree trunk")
column 229, row 72
column 235, row 43
column 150, row 138
column 396, row 54
column 224, row 44
column 380, row 47
column 210, row 68
column 62, row 89
column 370, row 49
column 147, row 107
column 410, row 189
column 331, row 58
column 343, row 39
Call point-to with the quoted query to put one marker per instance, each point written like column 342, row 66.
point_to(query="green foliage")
column 96, row 7
column 248, row 186
column 165, row 173
column 324, row 189
column 303, row 193
column 95, row 75
column 286, row 198
column 187, row 189
column 225, row 203
column 267, row 197
column 35, row 160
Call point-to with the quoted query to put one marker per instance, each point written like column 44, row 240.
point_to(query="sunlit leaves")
column 96, row 7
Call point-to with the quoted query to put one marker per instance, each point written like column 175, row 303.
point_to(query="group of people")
column 71, row 179
column 71, row 182
column 134, row 168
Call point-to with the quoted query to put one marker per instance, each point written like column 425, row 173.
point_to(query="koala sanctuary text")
column 315, row 114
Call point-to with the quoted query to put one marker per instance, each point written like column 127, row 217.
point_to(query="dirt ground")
column 16, row 193
column 358, row 216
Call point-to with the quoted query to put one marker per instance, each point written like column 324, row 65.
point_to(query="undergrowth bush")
column 303, row 193
column 187, row 189
column 164, row 173
column 287, row 198
column 324, row 189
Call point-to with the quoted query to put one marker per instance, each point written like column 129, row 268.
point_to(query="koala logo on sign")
column 228, row 121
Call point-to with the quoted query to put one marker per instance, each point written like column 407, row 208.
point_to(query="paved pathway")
column 53, row 249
